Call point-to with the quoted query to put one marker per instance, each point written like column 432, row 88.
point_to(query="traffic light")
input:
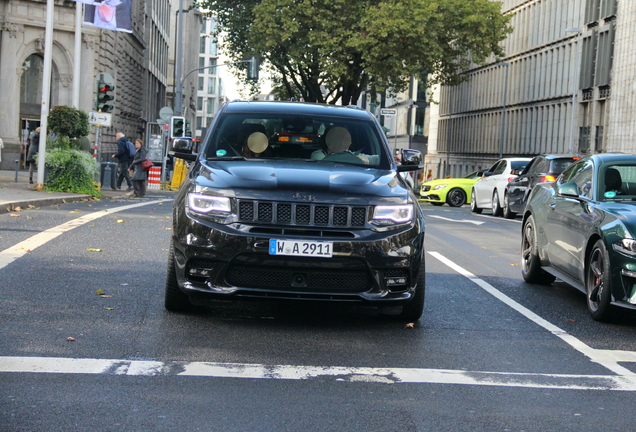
column 103, row 96
column 253, row 65
column 177, row 127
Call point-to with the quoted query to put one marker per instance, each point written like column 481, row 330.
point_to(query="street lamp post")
column 503, row 110
column 575, row 77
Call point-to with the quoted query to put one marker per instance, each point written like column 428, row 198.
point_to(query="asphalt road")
column 491, row 352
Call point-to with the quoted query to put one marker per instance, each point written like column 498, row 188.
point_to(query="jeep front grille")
column 279, row 213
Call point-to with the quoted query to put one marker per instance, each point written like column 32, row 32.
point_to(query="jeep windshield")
column 251, row 136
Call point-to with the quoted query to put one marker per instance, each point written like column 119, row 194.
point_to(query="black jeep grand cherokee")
column 290, row 200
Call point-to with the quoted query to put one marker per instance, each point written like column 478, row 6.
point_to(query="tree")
column 68, row 122
column 333, row 50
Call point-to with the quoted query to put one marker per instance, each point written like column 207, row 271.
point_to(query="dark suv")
column 290, row 200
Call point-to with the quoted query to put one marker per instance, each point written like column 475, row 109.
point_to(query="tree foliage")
column 68, row 122
column 332, row 50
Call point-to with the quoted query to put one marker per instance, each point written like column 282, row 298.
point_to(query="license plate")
column 301, row 248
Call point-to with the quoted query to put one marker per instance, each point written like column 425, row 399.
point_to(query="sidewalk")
column 22, row 194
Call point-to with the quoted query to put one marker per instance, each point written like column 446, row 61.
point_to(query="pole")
column 574, row 91
column 177, row 77
column 46, row 91
column 503, row 111
column 78, row 53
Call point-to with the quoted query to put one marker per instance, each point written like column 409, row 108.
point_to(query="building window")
column 420, row 114
column 199, row 104
column 212, row 47
column 200, row 84
column 201, row 62
column 212, row 63
column 210, row 105
column 211, row 85
column 202, row 45
column 199, row 122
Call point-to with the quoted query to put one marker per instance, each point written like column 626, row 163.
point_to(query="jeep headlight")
column 393, row 214
column 208, row 204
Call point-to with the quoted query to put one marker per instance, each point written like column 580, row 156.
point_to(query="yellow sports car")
column 454, row 191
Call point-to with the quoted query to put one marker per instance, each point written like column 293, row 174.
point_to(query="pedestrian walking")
column 123, row 159
column 34, row 148
column 139, row 176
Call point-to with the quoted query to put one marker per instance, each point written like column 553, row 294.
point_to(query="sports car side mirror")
column 569, row 189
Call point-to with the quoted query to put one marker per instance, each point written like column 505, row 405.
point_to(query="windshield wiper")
column 231, row 158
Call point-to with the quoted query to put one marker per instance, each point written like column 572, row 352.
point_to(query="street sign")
column 165, row 113
column 387, row 112
column 102, row 119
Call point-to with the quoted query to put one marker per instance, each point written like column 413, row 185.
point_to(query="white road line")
column 456, row 220
column 606, row 358
column 288, row 372
column 11, row 254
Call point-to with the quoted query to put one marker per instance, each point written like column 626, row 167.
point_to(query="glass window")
column 199, row 122
column 542, row 166
column 202, row 45
column 31, row 80
column 210, row 106
column 211, row 85
column 200, row 88
column 212, row 63
column 199, row 104
column 582, row 176
column 201, row 62
column 212, row 47
column 298, row 136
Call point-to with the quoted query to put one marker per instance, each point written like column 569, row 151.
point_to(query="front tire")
column 473, row 203
column 412, row 311
column 530, row 263
column 598, row 283
column 456, row 197
column 507, row 213
column 496, row 207
column 175, row 300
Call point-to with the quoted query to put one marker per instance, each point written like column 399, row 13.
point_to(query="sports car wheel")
column 598, row 283
column 506, row 208
column 473, row 203
column 530, row 264
column 456, row 197
column 496, row 207
column 175, row 300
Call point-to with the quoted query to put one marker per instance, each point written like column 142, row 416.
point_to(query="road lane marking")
column 456, row 220
column 150, row 368
column 11, row 254
column 606, row 358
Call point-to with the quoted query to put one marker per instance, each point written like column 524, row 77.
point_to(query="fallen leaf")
column 109, row 308
column 100, row 292
column 18, row 208
column 168, row 229
column 409, row 326
column 513, row 265
column 167, row 217
column 93, row 250
column 483, row 247
column 73, row 211
column 91, row 226
column 120, row 221
column 160, row 204
column 139, row 249
column 31, row 206
column 105, row 296
column 28, row 251
column 570, row 319
column 70, row 339
column 89, row 205
column 14, row 215
column 164, row 250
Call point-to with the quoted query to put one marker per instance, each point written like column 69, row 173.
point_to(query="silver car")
column 488, row 191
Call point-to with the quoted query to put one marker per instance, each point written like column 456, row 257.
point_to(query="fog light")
column 199, row 272
column 395, row 281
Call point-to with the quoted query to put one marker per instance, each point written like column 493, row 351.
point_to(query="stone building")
column 561, row 54
column 138, row 62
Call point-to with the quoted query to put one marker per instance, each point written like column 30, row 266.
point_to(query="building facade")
column 137, row 61
column 209, row 82
column 561, row 89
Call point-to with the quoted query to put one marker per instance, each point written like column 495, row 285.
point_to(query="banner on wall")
column 108, row 14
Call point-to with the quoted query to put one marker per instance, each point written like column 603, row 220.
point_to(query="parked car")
column 453, row 191
column 297, row 201
column 488, row 191
column 582, row 229
column 542, row 168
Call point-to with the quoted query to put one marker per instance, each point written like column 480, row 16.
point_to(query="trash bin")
column 109, row 175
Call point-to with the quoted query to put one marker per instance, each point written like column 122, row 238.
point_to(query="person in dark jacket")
column 123, row 157
column 138, row 175
column 34, row 147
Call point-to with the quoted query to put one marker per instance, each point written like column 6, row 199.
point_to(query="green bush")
column 71, row 170
column 68, row 122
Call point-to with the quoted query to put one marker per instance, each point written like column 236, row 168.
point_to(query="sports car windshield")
column 246, row 136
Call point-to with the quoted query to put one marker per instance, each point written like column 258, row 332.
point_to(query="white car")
column 489, row 190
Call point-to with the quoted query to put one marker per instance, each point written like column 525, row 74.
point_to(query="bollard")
column 17, row 167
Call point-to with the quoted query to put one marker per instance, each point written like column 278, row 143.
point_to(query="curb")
column 39, row 202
